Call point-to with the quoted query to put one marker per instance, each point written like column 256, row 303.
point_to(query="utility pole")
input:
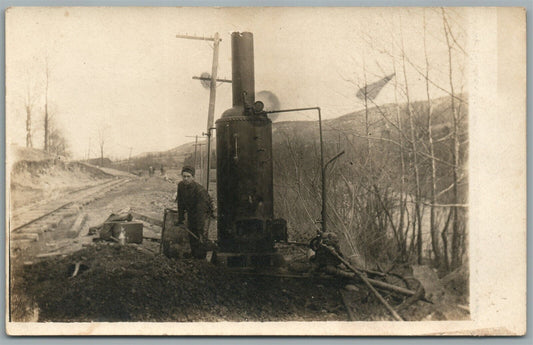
column 201, row 162
column 46, row 117
column 195, row 146
column 212, row 95
column 89, row 150
column 129, row 160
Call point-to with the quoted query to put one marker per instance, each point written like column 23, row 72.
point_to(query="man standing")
column 193, row 199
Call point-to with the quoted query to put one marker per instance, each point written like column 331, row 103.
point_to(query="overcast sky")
column 122, row 71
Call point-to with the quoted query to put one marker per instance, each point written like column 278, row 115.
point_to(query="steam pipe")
column 322, row 166
column 325, row 195
column 208, row 134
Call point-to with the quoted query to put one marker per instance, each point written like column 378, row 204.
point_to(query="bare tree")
column 29, row 102
column 401, row 159
column 433, row 177
column 427, row 155
column 402, row 234
column 46, row 116
column 57, row 143
column 101, row 143
column 417, row 217
column 456, row 236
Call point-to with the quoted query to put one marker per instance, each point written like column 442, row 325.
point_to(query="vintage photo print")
column 265, row 171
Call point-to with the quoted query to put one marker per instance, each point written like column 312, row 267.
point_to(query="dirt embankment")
column 32, row 181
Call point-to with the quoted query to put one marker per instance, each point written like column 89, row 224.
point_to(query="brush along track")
column 29, row 223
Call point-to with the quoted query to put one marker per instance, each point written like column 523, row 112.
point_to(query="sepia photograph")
column 265, row 171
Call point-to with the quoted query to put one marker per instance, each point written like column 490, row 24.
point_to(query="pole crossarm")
column 200, row 38
column 221, row 80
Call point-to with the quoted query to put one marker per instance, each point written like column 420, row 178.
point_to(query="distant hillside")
column 381, row 121
column 180, row 150
column 168, row 159
column 296, row 144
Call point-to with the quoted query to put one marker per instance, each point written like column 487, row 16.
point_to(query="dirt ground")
column 122, row 283
column 136, row 283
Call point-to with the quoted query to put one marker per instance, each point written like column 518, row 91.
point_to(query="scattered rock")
column 351, row 287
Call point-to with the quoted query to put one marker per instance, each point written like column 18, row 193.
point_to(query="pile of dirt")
column 124, row 283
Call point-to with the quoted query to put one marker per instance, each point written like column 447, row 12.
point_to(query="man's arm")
column 202, row 203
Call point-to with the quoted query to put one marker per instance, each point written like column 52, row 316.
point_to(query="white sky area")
column 122, row 71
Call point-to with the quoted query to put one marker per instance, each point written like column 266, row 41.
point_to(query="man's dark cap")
column 188, row 169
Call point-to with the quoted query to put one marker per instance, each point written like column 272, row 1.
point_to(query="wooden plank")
column 347, row 305
column 22, row 240
column 25, row 236
column 147, row 219
column 366, row 281
column 152, row 238
column 80, row 220
column 46, row 255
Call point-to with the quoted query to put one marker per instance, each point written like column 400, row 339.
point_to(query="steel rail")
column 34, row 220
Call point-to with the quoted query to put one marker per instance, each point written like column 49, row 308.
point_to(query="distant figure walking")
column 162, row 170
column 194, row 201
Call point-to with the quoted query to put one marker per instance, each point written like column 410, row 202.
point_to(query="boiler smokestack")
column 243, row 84
column 245, row 219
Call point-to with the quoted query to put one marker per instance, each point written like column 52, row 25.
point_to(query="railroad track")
column 28, row 223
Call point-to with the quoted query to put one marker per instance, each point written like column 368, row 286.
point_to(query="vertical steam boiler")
column 247, row 229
